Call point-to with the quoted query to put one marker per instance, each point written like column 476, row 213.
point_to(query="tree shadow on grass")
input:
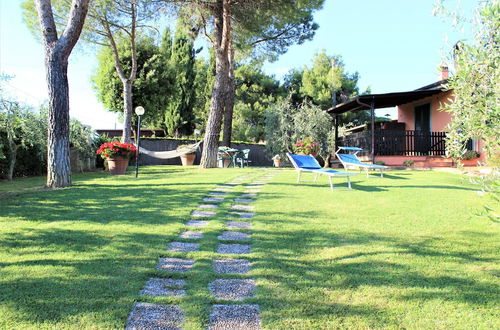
column 60, row 275
column 296, row 278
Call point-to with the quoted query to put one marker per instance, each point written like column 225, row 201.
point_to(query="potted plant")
column 470, row 158
column 117, row 155
column 189, row 155
column 306, row 146
column 277, row 160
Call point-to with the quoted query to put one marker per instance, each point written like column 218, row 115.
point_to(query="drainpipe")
column 372, row 120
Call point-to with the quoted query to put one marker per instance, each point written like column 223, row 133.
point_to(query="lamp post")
column 139, row 111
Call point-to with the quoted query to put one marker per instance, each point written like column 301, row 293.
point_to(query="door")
column 423, row 129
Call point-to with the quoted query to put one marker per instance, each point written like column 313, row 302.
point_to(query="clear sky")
column 395, row 45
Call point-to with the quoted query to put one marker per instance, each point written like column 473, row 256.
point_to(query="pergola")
column 377, row 101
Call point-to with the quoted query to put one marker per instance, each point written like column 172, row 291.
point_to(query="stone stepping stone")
column 183, row 247
column 245, row 215
column 231, row 266
column 233, row 236
column 177, row 265
column 242, row 207
column 191, row 234
column 233, row 289
column 155, row 316
column 202, row 214
column 238, row 225
column 197, row 223
column 164, row 287
column 233, row 183
column 208, row 206
column 213, row 199
column 233, row 249
column 244, row 200
column 248, row 195
column 235, row 317
column 218, row 193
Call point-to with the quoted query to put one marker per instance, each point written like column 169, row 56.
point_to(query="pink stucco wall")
column 439, row 119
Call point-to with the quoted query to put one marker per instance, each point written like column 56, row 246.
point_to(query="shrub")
column 408, row 163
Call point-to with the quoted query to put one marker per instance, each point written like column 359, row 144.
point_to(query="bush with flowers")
column 116, row 149
column 306, row 146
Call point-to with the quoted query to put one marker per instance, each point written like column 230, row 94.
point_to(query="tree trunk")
column 222, row 31
column 229, row 106
column 58, row 161
column 57, row 51
column 127, row 110
column 12, row 160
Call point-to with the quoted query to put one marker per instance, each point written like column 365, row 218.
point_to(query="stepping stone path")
column 237, row 290
column 177, row 265
column 202, row 214
column 164, row 287
column 191, row 234
column 234, row 317
column 238, row 225
column 154, row 316
column 246, row 215
column 183, row 247
column 244, row 200
column 213, row 199
column 233, row 236
column 231, row 266
column 233, row 249
column 197, row 223
column 208, row 206
column 222, row 316
column 242, row 207
column 217, row 193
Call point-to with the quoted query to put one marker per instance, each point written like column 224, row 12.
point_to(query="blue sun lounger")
column 307, row 163
column 351, row 160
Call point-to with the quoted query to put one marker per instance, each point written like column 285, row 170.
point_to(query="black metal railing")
column 398, row 143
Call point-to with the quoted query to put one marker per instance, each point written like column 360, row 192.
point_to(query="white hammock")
column 171, row 153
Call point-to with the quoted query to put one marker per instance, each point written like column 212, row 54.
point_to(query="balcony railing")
column 398, row 142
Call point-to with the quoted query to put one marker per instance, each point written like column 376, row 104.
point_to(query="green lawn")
column 405, row 251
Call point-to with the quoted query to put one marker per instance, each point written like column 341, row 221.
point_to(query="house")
column 418, row 134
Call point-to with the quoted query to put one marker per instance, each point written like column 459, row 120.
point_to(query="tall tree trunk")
column 58, row 153
column 229, row 106
column 222, row 31
column 12, row 160
column 127, row 110
column 57, row 51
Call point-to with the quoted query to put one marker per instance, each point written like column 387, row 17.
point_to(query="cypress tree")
column 179, row 114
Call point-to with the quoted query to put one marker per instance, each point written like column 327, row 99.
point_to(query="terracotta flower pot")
column 118, row 165
column 470, row 162
column 188, row 159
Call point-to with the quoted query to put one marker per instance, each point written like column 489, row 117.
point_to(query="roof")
column 379, row 101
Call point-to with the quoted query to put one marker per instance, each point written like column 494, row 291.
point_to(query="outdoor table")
column 232, row 153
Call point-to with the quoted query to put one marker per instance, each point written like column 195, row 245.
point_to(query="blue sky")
column 395, row 45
